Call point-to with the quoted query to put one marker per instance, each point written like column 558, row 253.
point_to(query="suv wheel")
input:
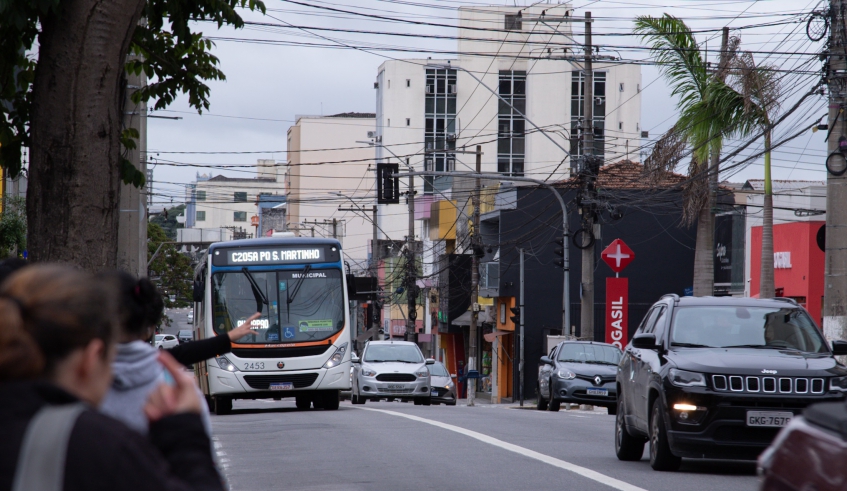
column 661, row 458
column 627, row 447
column 427, row 401
column 542, row 402
column 553, row 404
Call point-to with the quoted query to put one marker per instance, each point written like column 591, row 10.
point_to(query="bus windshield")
column 302, row 305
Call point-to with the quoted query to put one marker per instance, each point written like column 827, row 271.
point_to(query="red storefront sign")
column 617, row 311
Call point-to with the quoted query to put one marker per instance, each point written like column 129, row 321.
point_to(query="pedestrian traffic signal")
column 560, row 251
column 517, row 317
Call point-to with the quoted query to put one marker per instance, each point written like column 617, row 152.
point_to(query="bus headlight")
column 336, row 358
column 225, row 364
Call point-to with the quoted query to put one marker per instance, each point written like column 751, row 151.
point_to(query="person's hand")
column 244, row 329
column 168, row 400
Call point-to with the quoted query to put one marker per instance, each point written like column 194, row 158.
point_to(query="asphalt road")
column 269, row 445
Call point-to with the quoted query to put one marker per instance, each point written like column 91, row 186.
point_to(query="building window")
column 511, row 125
column 620, row 125
column 200, row 216
column 389, row 84
column 439, row 124
column 408, row 83
column 389, row 122
column 577, row 107
column 620, row 87
column 240, row 216
column 408, row 122
column 513, row 22
column 638, row 88
column 201, row 195
column 240, row 196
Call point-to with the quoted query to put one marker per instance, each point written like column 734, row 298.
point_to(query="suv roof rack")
column 786, row 299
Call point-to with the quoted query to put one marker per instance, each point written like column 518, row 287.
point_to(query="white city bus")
column 302, row 348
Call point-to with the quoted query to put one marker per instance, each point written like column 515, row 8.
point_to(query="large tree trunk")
column 767, row 289
column 704, row 260
column 74, row 187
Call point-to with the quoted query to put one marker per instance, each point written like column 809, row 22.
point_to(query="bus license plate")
column 282, row 386
column 773, row 419
column 597, row 392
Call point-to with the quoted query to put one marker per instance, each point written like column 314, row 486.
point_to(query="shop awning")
column 465, row 319
column 491, row 335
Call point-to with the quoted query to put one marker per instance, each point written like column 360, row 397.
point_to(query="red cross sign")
column 618, row 255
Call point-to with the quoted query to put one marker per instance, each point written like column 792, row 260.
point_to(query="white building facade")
column 528, row 56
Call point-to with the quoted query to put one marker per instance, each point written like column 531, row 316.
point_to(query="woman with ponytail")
column 57, row 334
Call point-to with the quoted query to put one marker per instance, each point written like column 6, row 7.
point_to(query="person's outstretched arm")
column 204, row 349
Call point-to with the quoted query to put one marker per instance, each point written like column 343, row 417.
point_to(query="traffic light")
column 560, row 251
column 517, row 317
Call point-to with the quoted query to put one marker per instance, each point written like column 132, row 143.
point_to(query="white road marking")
column 562, row 464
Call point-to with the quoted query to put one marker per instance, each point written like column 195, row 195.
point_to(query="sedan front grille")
column 767, row 385
column 396, row 377
column 396, row 391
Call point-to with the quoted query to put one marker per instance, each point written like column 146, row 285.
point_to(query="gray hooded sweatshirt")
column 137, row 372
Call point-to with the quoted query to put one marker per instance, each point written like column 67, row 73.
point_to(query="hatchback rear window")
column 746, row 327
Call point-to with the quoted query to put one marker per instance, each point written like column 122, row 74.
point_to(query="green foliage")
column 174, row 58
column 170, row 271
column 169, row 224
column 12, row 226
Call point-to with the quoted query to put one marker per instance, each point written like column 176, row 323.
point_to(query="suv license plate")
column 773, row 419
column 597, row 392
column 395, row 386
column 281, row 386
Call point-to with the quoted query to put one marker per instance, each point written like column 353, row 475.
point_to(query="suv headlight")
column 367, row 372
column 838, row 383
column 422, row 373
column 336, row 358
column 566, row 374
column 683, row 378
column 226, row 364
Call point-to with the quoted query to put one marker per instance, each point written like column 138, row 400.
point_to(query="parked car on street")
column 809, row 453
column 190, row 318
column 185, row 335
column 391, row 370
column 581, row 372
column 164, row 341
column 718, row 377
column 443, row 388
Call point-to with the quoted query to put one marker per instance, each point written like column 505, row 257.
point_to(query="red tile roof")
column 626, row 174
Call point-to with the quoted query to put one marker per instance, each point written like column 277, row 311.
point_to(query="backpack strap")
column 41, row 461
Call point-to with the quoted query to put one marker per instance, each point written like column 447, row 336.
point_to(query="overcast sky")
column 268, row 84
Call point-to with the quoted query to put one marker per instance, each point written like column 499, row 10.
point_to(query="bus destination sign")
column 274, row 255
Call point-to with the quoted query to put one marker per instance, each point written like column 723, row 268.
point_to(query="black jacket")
column 103, row 454
column 197, row 351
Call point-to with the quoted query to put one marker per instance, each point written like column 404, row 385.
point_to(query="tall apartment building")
column 329, row 168
column 528, row 56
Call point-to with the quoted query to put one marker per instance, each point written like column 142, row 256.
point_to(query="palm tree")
column 759, row 85
column 709, row 110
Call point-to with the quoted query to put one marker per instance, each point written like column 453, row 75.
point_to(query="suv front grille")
column 396, row 377
column 767, row 385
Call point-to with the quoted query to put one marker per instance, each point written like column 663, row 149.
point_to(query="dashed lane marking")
column 561, row 464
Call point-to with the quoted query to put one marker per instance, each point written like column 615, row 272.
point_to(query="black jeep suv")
column 717, row 377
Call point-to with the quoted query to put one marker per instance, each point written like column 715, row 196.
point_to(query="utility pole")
column 835, row 292
column 411, row 278
column 472, row 351
column 589, row 169
column 521, row 363
column 375, row 274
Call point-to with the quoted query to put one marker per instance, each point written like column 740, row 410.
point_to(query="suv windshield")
column 746, row 327
column 438, row 370
column 405, row 353
column 301, row 305
column 589, row 353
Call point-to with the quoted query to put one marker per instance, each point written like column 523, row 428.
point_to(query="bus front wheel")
column 303, row 402
column 223, row 405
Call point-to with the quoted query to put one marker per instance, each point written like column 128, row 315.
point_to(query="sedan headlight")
column 683, row 378
column 566, row 374
column 368, row 372
column 422, row 373
column 225, row 364
column 336, row 358
column 838, row 383
column 449, row 385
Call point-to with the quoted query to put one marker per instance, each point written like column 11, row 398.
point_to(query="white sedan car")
column 164, row 341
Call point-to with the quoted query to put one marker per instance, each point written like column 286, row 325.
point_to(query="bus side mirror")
column 199, row 291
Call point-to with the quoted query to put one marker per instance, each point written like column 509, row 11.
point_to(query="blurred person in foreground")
column 57, row 336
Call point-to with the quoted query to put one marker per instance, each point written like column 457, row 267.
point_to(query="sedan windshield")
column 404, row 353
column 295, row 305
column 746, row 327
column 589, row 353
column 438, row 370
